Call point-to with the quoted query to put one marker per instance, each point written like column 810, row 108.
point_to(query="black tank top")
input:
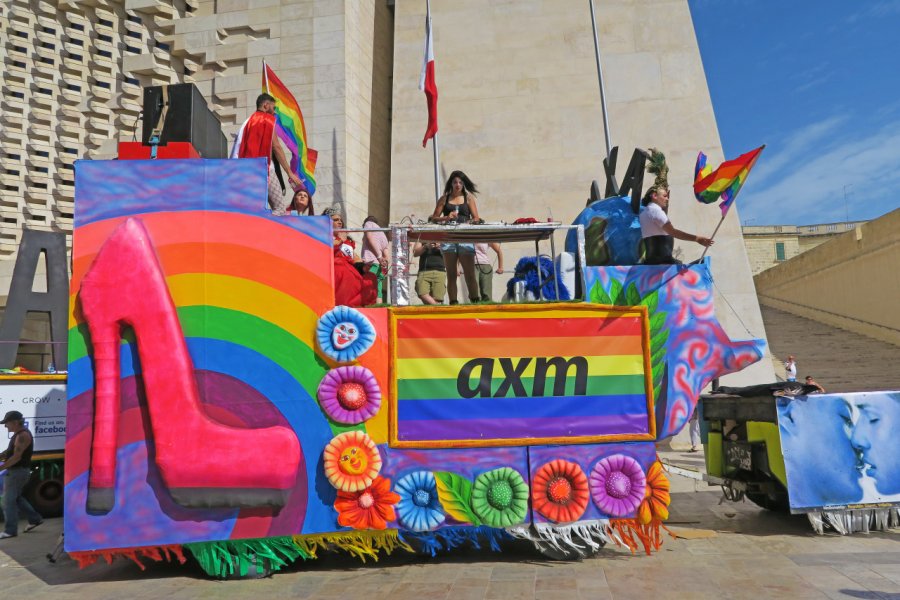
column 464, row 213
column 25, row 460
column 431, row 259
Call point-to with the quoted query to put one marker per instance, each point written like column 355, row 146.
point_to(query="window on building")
column 41, row 153
column 42, row 169
column 132, row 81
column 17, row 94
column 73, row 87
column 104, row 53
column 21, row 34
column 134, row 18
column 48, row 45
column 105, row 38
column 46, row 91
column 132, row 49
column 46, row 61
column 103, row 84
column 779, row 251
column 77, row 42
column 77, row 26
column 105, row 22
column 49, row 30
column 19, row 64
column 831, row 227
column 812, row 228
column 76, row 57
column 133, row 34
column 849, row 226
column 11, row 188
column 162, row 46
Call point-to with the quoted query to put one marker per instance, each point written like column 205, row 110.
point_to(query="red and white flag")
column 426, row 79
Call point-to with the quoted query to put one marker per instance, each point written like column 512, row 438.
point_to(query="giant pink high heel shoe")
column 202, row 462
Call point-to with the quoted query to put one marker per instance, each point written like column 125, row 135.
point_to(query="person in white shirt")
column 657, row 232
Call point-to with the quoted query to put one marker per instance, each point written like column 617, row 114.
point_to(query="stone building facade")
column 519, row 104
column 770, row 245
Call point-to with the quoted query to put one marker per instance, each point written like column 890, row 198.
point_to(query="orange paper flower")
column 351, row 461
column 371, row 508
column 560, row 491
column 655, row 505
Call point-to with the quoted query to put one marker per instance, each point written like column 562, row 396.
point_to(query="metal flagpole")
column 434, row 140
column 437, row 163
column 600, row 78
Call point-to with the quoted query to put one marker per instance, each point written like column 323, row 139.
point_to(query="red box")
column 138, row 151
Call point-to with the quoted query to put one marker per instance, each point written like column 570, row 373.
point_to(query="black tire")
column 776, row 500
column 45, row 495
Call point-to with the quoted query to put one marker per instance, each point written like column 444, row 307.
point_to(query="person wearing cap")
column 17, row 463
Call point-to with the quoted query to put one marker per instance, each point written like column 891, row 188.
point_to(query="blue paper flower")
column 344, row 334
column 419, row 508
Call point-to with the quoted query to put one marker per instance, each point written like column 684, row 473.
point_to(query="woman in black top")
column 458, row 205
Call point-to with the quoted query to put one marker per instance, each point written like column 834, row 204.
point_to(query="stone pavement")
column 734, row 551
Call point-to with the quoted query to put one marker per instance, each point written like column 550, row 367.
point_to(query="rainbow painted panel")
column 247, row 288
column 519, row 375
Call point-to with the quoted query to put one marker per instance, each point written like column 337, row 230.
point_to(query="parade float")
column 221, row 407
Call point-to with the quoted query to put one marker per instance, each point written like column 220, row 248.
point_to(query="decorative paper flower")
column 419, row 508
column 500, row 497
column 350, row 394
column 656, row 498
column 617, row 485
column 352, row 461
column 370, row 508
column 560, row 491
column 344, row 334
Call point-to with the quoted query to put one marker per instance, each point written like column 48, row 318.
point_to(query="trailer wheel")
column 45, row 495
column 775, row 500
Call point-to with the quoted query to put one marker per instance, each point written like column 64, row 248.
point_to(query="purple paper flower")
column 350, row 395
column 617, row 485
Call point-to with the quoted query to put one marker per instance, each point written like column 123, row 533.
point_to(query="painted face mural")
column 874, row 439
column 344, row 335
column 822, row 467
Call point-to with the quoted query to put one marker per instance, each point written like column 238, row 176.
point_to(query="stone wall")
column 852, row 282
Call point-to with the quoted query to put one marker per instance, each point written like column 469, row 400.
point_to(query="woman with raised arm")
column 657, row 232
column 459, row 205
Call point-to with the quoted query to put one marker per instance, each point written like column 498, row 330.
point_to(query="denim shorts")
column 458, row 248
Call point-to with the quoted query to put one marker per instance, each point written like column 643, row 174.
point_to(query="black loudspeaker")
column 187, row 119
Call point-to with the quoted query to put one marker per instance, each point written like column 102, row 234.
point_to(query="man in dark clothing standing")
column 17, row 463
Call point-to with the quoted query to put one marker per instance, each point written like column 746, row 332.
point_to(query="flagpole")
column 722, row 220
column 600, row 78
column 265, row 75
column 437, row 163
column 434, row 140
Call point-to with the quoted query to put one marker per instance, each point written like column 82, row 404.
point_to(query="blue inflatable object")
column 612, row 233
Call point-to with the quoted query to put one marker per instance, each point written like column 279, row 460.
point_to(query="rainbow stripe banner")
column 726, row 181
column 291, row 129
column 519, row 375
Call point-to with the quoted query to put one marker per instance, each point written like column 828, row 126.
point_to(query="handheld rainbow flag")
column 726, row 181
column 291, row 129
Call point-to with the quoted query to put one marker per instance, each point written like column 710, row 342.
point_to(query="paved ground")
column 840, row 360
column 736, row 551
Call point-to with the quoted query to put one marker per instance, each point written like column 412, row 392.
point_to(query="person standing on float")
column 657, row 232
column 257, row 139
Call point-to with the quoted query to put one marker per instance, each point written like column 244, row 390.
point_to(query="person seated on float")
column 431, row 280
column 458, row 204
column 657, row 232
column 353, row 284
column 301, row 202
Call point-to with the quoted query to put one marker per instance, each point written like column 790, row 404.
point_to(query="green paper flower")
column 500, row 497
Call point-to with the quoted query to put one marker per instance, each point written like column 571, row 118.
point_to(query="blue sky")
column 818, row 82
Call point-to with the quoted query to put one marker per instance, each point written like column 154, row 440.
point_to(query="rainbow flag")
column 726, row 181
column 291, row 129
column 487, row 377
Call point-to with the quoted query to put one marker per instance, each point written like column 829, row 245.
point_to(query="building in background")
column 769, row 245
column 519, row 106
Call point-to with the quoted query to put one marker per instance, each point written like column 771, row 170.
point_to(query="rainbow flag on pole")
column 291, row 129
column 726, row 181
